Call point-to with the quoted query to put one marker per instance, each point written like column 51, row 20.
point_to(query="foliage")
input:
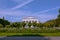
column 4, row 22
column 40, row 25
column 57, row 22
column 59, row 14
column 29, row 24
column 16, row 24
column 8, row 26
column 1, row 25
column 23, row 24
column 29, row 30
column 34, row 24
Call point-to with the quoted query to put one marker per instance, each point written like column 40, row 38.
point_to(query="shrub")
column 29, row 30
column 3, row 30
column 7, row 26
column 1, row 25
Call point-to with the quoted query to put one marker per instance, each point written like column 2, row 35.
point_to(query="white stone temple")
column 30, row 19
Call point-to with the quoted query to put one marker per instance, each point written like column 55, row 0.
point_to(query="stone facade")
column 30, row 19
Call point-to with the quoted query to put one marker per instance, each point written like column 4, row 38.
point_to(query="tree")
column 23, row 24
column 29, row 24
column 1, row 25
column 57, row 22
column 50, row 23
column 46, row 25
column 8, row 26
column 34, row 24
column 58, row 19
column 59, row 25
column 59, row 14
column 40, row 25
column 16, row 24
column 4, row 22
column 13, row 24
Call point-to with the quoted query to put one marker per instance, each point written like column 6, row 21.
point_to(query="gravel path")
column 29, row 38
column 54, row 38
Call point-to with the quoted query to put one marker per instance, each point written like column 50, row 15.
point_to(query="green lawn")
column 29, row 32
column 50, row 34
column 20, row 34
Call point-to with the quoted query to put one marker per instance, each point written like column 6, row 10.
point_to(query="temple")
column 29, row 19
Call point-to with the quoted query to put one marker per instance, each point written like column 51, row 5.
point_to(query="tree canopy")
column 4, row 22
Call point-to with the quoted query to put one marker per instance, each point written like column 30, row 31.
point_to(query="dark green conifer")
column 59, row 14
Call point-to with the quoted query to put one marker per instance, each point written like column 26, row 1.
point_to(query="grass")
column 30, row 34
column 51, row 34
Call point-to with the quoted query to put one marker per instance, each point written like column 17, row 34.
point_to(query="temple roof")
column 30, row 17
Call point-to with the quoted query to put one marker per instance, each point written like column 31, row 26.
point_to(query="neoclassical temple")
column 30, row 19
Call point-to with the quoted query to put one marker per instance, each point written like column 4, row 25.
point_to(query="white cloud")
column 47, row 16
column 23, row 4
column 19, row 1
column 14, row 13
column 44, row 11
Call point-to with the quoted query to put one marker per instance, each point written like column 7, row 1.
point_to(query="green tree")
column 23, row 24
column 4, row 22
column 58, row 19
column 40, row 25
column 57, row 22
column 46, row 25
column 58, row 14
column 8, row 26
column 34, row 24
column 16, row 24
column 29, row 24
column 51, row 23
column 1, row 25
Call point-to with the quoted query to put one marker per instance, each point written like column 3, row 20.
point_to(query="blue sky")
column 15, row 10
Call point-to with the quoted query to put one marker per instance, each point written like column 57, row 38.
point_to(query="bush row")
column 36, row 30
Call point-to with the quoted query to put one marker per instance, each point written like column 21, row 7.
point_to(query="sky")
column 15, row 10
